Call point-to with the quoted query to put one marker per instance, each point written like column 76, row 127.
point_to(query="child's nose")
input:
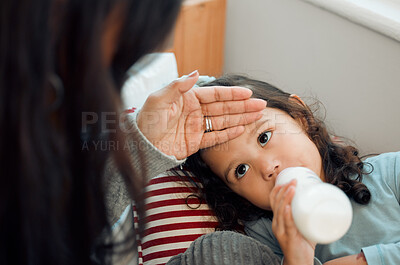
column 270, row 169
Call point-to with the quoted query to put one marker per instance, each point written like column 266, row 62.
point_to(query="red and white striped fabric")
column 171, row 225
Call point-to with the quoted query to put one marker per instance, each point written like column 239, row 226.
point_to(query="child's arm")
column 386, row 172
column 358, row 259
column 296, row 249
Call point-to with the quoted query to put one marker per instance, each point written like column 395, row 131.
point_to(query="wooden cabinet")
column 199, row 37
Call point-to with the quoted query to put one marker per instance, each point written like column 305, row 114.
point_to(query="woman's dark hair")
column 52, row 205
column 341, row 164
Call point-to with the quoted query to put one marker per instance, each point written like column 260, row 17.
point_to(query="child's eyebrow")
column 258, row 124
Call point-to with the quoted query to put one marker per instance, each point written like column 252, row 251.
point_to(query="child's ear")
column 302, row 120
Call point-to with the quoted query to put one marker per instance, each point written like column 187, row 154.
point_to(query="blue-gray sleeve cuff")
column 373, row 255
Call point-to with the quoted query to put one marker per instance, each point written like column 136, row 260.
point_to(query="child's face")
column 250, row 163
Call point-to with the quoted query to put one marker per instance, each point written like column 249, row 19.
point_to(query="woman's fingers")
column 233, row 107
column 221, row 93
column 227, row 127
column 228, row 121
column 219, row 137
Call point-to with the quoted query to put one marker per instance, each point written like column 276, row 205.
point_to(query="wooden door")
column 199, row 37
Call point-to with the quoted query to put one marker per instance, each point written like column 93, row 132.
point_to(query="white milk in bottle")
column 321, row 211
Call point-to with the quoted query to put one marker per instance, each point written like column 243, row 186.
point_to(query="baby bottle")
column 321, row 211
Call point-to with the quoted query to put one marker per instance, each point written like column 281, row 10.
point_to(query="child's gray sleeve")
column 261, row 230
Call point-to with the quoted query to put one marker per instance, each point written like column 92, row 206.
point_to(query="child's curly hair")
column 341, row 164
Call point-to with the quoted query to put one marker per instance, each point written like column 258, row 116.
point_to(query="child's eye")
column 241, row 170
column 264, row 137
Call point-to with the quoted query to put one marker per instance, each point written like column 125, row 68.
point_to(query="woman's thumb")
column 186, row 83
column 178, row 87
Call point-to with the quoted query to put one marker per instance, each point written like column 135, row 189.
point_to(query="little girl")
column 239, row 183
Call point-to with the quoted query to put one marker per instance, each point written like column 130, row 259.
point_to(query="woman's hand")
column 296, row 249
column 172, row 119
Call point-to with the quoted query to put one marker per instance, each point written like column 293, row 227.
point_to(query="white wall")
column 305, row 50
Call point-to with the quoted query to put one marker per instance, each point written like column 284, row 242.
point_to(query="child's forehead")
column 272, row 112
column 271, row 116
